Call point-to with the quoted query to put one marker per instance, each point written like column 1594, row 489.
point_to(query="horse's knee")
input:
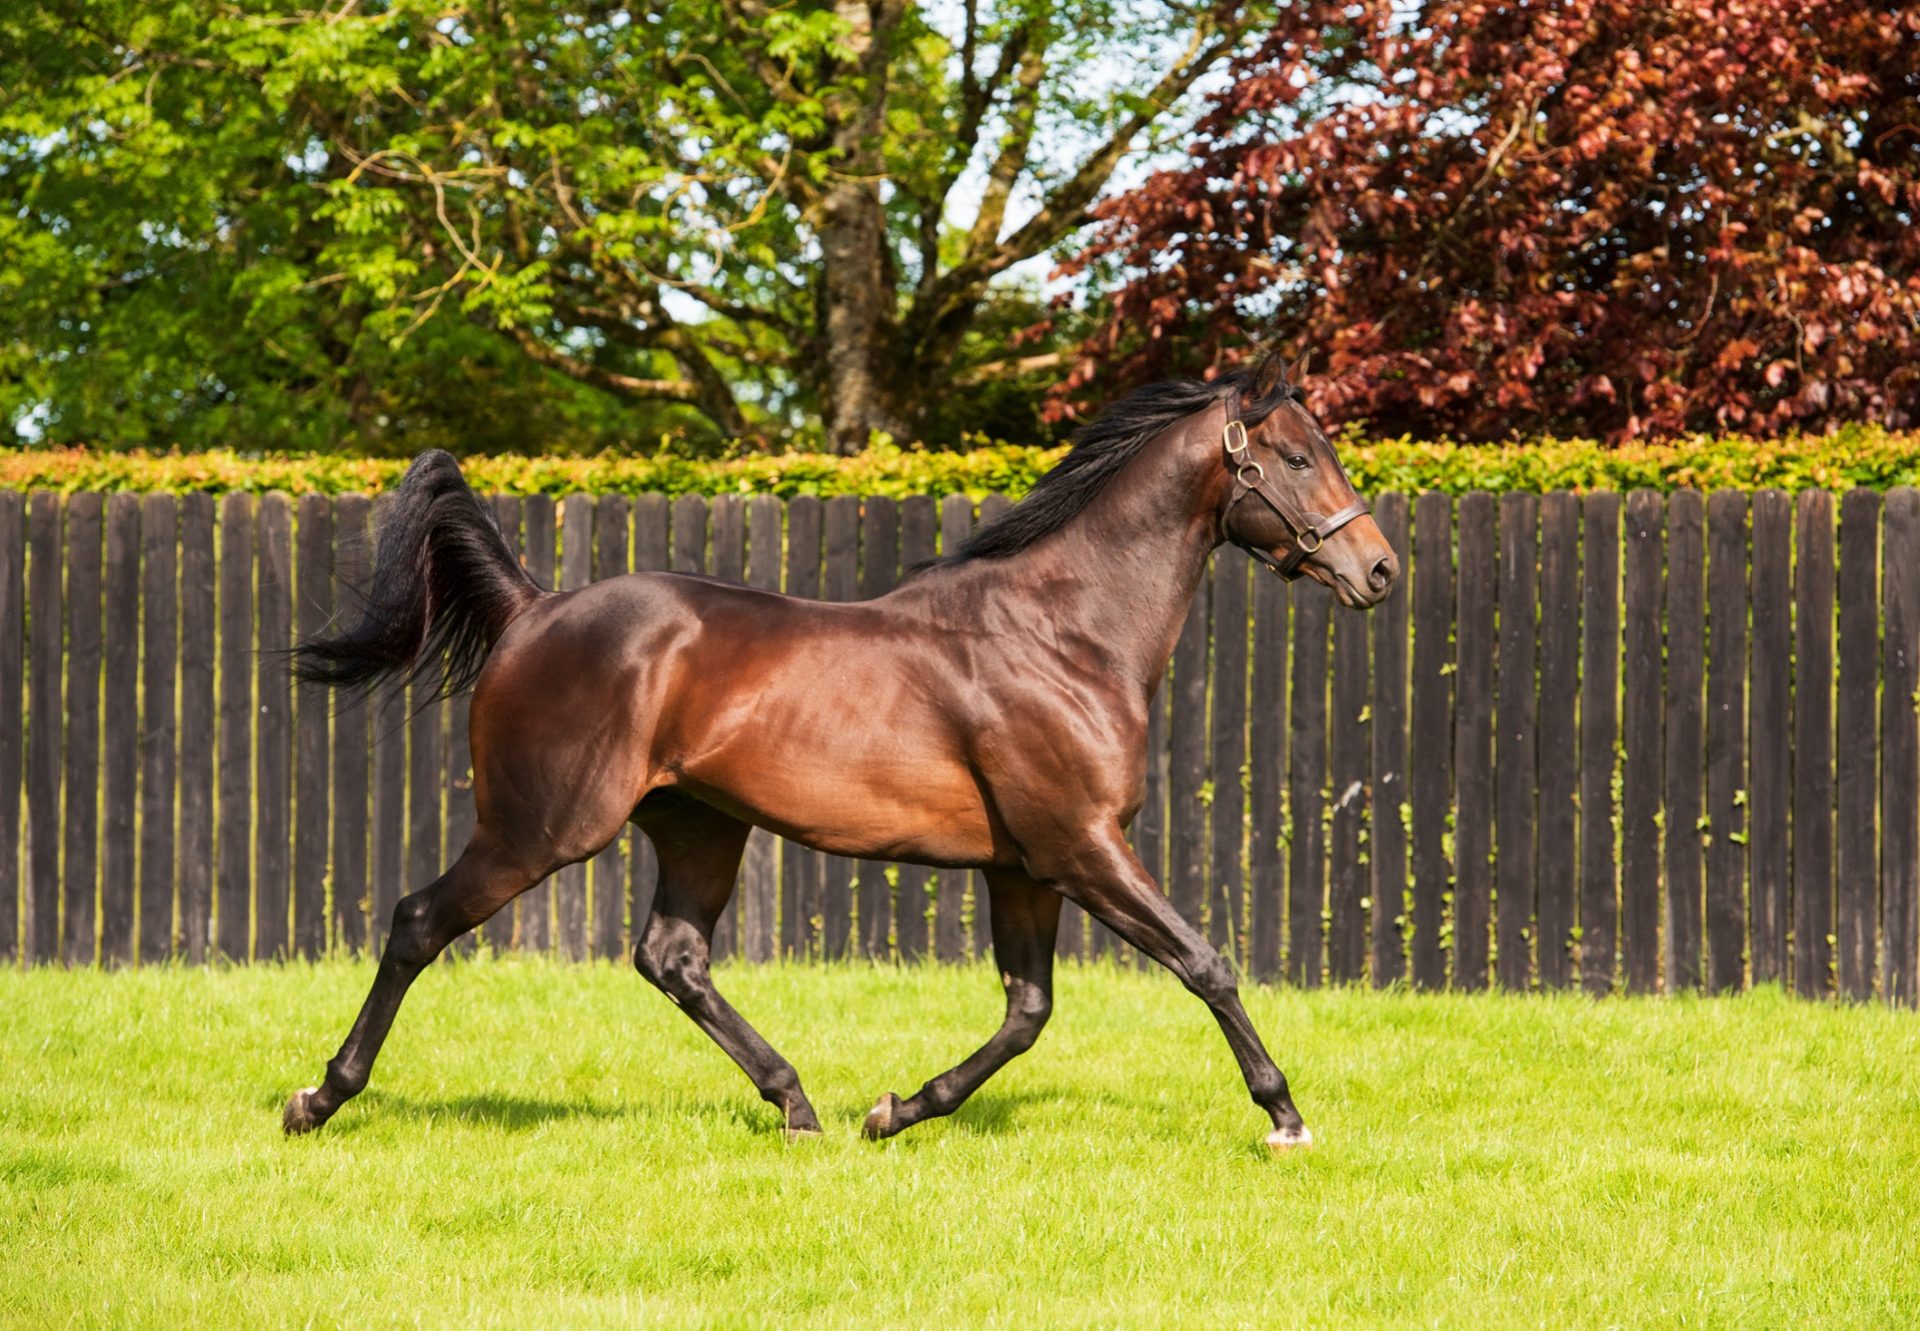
column 1211, row 979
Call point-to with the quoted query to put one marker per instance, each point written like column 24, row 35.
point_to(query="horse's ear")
column 1270, row 376
column 1298, row 374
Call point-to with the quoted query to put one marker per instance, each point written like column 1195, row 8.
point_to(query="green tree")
column 578, row 221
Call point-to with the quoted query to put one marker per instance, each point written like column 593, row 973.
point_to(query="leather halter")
column 1309, row 530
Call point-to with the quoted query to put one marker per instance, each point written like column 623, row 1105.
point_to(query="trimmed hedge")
column 1862, row 455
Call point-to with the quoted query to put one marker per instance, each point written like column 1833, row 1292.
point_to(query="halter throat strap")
column 1309, row 530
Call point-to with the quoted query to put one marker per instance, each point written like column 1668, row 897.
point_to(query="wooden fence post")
column 1227, row 814
column 1516, row 867
column 1307, row 777
column 1726, row 739
column 1813, row 924
column 160, row 794
column 1350, row 743
column 46, row 638
column 1900, row 752
column 1389, row 883
column 273, row 772
column 235, row 829
column 124, row 751
column 1685, row 752
column 79, row 863
column 1430, row 761
column 13, row 728
column 1266, row 857
column 1474, row 635
column 352, row 746
column 1642, row 733
column 1770, row 734
column 198, row 653
column 1857, row 744
column 312, row 762
column 1599, row 732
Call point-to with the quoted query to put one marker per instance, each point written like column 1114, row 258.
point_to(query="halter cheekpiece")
column 1309, row 530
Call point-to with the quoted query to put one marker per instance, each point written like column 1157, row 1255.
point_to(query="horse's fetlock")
column 1268, row 1088
column 345, row 1079
column 782, row 1087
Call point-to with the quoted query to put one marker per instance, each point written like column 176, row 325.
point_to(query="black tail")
column 445, row 586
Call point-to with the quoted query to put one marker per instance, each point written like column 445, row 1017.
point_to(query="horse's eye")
column 1298, row 461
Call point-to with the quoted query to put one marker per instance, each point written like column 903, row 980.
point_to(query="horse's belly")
column 871, row 810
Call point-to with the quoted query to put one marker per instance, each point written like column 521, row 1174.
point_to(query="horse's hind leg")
column 480, row 882
column 699, row 852
column 1025, row 917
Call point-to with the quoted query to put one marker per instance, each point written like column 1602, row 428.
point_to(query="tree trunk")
column 857, row 317
column 857, row 324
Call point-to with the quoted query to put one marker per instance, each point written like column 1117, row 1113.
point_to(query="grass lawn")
column 548, row 1144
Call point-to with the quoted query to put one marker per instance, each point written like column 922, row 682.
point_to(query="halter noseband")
column 1309, row 530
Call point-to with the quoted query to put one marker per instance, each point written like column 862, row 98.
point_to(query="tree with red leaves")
column 1590, row 217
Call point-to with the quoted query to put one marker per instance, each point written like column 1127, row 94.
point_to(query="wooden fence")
column 1651, row 743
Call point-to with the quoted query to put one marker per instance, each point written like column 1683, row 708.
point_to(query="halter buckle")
column 1236, row 425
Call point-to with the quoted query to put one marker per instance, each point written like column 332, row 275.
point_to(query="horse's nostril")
column 1383, row 574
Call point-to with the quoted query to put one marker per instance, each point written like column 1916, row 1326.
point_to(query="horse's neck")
column 1124, row 571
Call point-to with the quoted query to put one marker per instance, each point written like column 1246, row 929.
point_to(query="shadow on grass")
column 991, row 1114
column 519, row 1113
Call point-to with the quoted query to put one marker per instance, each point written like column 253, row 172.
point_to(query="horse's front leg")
column 1099, row 870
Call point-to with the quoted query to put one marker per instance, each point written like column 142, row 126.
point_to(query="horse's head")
column 1291, row 505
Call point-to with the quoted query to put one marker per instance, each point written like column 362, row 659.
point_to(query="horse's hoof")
column 1282, row 1140
column 298, row 1117
column 880, row 1119
column 793, row 1135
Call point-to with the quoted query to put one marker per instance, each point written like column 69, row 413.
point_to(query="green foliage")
column 428, row 223
column 1854, row 456
column 555, row 1145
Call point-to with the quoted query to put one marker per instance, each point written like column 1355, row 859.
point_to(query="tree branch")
column 625, row 385
column 1065, row 208
column 1022, row 108
column 1000, row 369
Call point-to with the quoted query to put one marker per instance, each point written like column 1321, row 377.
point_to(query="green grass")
column 555, row 1145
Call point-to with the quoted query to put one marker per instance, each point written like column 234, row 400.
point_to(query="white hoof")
column 298, row 1117
column 1289, row 1139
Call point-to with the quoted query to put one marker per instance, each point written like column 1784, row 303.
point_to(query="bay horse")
column 989, row 713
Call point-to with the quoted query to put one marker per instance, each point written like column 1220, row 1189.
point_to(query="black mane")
column 1100, row 450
